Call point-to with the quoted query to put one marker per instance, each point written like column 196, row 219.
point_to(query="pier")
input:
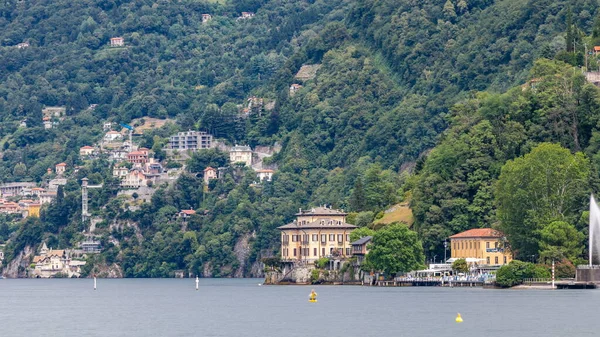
column 435, row 282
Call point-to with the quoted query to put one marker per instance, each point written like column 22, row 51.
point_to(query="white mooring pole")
column 197, row 281
column 553, row 274
column 94, row 282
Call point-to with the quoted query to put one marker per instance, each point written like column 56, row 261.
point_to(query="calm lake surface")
column 239, row 307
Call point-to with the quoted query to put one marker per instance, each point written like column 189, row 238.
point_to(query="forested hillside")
column 361, row 135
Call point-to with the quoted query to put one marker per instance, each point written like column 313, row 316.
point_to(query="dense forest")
column 436, row 103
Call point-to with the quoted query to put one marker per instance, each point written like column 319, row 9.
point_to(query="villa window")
column 323, row 238
column 315, row 238
column 505, row 260
column 295, row 238
column 496, row 260
column 495, row 244
column 348, row 251
column 348, row 237
column 331, row 237
column 340, row 238
column 322, row 251
column 488, row 260
column 470, row 245
column 487, row 244
column 315, row 251
column 295, row 253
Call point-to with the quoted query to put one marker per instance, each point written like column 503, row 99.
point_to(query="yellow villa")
column 481, row 245
column 316, row 233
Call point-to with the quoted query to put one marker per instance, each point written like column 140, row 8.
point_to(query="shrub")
column 513, row 273
column 314, row 276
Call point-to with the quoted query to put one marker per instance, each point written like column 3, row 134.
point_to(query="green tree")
column 548, row 184
column 20, row 171
column 449, row 11
column 460, row 266
column 396, row 249
column 569, row 35
column 361, row 233
column 560, row 240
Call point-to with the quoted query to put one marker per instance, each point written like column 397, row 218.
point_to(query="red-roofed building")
column 60, row 168
column 138, row 157
column 209, row 173
column 186, row 213
column 86, row 150
column 596, row 49
column 481, row 245
column 117, row 41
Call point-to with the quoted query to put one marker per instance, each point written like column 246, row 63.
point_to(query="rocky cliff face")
column 18, row 266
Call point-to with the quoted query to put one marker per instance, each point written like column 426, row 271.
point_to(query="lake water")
column 239, row 307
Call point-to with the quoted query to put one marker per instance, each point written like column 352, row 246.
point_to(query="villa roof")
column 241, row 148
column 209, row 169
column 478, row 233
column 87, row 147
column 188, row 211
column 265, row 171
column 137, row 153
column 56, row 252
column 321, row 211
column 321, row 223
column 61, row 164
column 362, row 240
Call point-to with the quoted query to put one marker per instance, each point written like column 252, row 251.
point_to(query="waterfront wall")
column 587, row 274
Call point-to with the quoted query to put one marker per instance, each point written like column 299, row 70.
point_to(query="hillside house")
column 37, row 191
column 186, row 213
column 107, row 126
column 54, row 183
column 32, row 209
column 596, row 50
column 209, row 174
column 206, row 18
column 319, row 232
column 23, row 45
column 117, row 41
column 14, row 189
column 138, row 157
column 241, row 154
column 54, row 111
column 247, row 15
column 190, row 140
column 118, row 155
column 294, row 87
column 264, row 175
column 134, row 179
column 10, row 208
column 46, row 198
column 120, row 171
column 153, row 167
column 112, row 136
column 60, row 168
column 47, row 123
column 86, row 151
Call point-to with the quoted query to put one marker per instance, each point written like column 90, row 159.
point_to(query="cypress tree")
column 569, row 30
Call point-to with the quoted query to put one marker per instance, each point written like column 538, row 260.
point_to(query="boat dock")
column 433, row 282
